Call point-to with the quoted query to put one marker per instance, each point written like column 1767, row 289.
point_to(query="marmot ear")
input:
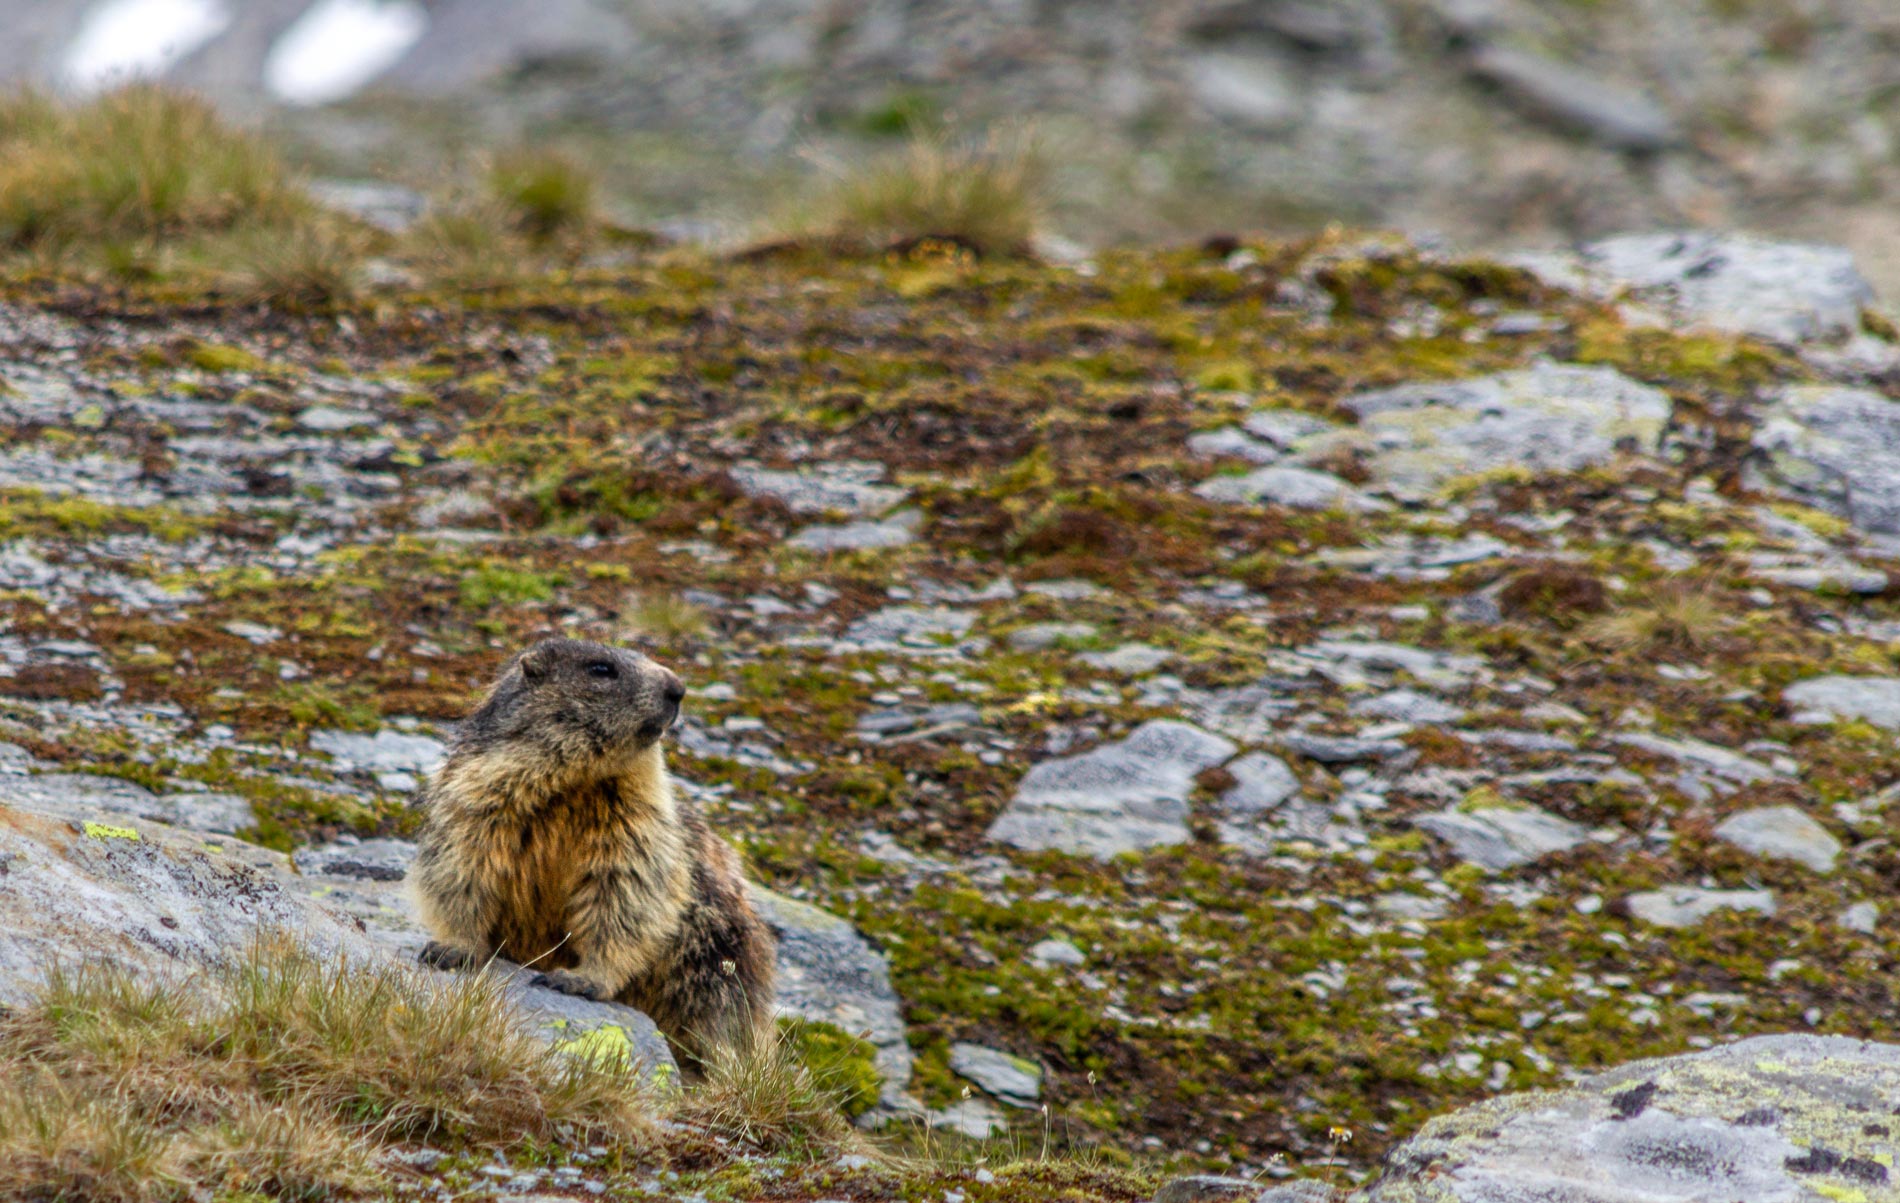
column 536, row 662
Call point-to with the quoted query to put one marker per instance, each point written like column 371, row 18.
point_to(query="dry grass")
column 141, row 162
column 768, row 1101
column 1675, row 617
column 283, row 1075
column 469, row 244
column 989, row 198
column 663, row 617
column 313, row 265
column 544, row 195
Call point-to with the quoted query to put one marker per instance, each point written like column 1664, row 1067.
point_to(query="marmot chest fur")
column 553, row 837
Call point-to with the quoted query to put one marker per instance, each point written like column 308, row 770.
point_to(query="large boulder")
column 86, row 875
column 1775, row 1119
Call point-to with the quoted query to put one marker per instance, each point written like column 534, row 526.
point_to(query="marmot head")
column 579, row 700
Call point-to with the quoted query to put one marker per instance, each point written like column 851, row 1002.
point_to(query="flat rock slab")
column 1710, row 760
column 1686, row 906
column 1503, row 837
column 83, row 881
column 384, row 752
column 1837, row 449
column 1120, row 797
column 1298, row 488
column 87, row 796
column 1774, row 1119
column 1782, row 832
column 1549, row 418
column 1261, row 783
column 1784, row 291
column 896, row 531
column 1825, row 699
column 910, row 630
column 846, row 488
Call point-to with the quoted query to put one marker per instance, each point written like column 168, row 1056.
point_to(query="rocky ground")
column 1255, row 697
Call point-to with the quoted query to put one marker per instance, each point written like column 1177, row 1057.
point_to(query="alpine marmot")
column 552, row 837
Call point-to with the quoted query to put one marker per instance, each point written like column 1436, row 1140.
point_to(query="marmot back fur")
column 553, row 837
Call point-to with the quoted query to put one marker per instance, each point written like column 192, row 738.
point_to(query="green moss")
column 499, row 584
column 841, row 1065
column 217, row 357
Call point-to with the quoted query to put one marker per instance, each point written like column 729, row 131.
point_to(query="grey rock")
column 1207, row 1188
column 898, row 530
column 146, row 899
column 1827, row 699
column 1400, row 905
column 1299, row 488
column 1830, row 575
column 1548, row 417
column 846, row 488
column 1580, row 101
column 1782, row 832
column 1784, row 291
column 1342, row 749
column 1120, row 797
column 1261, row 783
column 1304, row 1191
column 1837, row 449
column 1130, row 659
column 1503, row 837
column 1863, row 917
column 975, row 1118
column 1726, row 767
column 385, row 752
column 912, row 630
column 828, row 973
column 1012, row 1079
column 1440, row 670
column 329, row 419
column 1056, row 952
column 1251, row 90
column 1042, row 636
column 218, row 814
column 363, row 860
column 1231, row 442
column 1284, row 428
column 1773, row 1119
column 1409, row 706
column 1686, row 906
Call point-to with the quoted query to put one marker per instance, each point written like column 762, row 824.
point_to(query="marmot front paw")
column 571, row 983
column 437, row 955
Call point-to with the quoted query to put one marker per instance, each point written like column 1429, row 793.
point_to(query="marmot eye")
column 601, row 668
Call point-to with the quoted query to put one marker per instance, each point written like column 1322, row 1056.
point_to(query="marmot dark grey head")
column 576, row 698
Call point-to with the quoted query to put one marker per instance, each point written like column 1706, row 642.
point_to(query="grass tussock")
column 544, row 195
column 664, row 617
column 1679, row 617
column 284, row 1075
column 989, row 198
column 138, row 163
column 770, row 1101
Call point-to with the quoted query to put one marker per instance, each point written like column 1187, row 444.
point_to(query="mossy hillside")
column 1232, row 1008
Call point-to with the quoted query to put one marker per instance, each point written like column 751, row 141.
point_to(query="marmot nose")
column 672, row 688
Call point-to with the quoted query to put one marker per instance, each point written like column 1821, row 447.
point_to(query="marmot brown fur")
column 553, row 837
